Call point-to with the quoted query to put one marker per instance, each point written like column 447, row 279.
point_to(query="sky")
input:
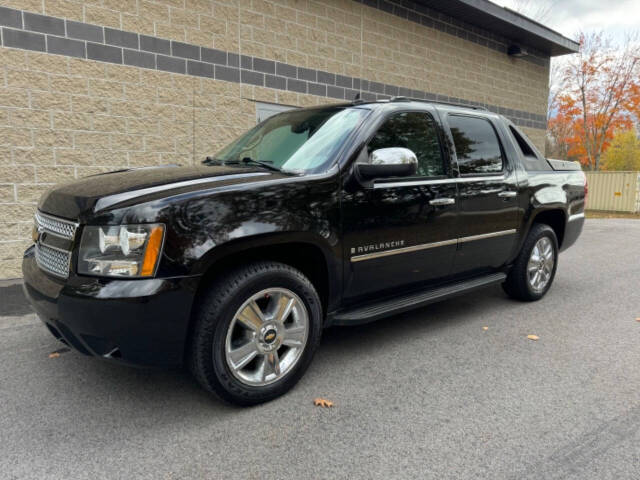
column 614, row 17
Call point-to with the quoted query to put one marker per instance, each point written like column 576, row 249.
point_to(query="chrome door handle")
column 508, row 194
column 492, row 190
column 442, row 201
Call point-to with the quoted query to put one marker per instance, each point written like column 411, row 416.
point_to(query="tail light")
column 586, row 190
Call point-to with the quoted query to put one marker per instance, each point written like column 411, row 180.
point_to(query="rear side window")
column 477, row 146
column 522, row 143
column 531, row 159
column 417, row 132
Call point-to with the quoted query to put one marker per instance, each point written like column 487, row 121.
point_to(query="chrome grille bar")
column 50, row 257
column 56, row 226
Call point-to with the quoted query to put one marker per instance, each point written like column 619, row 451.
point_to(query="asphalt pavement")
column 429, row 394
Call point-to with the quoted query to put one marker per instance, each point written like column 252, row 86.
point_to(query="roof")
column 417, row 101
column 508, row 23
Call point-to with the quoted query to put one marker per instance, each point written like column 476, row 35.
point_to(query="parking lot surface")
column 427, row 394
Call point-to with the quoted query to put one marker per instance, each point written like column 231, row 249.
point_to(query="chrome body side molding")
column 397, row 251
column 425, row 246
column 440, row 181
column 482, row 236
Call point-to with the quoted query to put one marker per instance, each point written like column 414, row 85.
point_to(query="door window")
column 477, row 146
column 417, row 132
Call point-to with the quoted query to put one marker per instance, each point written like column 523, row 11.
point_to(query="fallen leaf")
column 533, row 337
column 59, row 352
column 323, row 402
column 485, row 328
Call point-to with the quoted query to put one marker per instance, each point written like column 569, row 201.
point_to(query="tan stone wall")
column 339, row 36
column 63, row 118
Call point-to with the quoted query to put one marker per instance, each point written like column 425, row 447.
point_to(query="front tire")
column 535, row 268
column 255, row 333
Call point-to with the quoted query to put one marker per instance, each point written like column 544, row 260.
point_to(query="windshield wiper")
column 267, row 165
column 212, row 161
column 245, row 160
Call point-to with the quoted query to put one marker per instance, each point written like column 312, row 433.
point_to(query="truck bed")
column 563, row 165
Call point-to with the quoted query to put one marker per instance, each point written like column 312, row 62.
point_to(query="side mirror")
column 388, row 162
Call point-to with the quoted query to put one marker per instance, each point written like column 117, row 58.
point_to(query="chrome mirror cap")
column 393, row 156
column 387, row 163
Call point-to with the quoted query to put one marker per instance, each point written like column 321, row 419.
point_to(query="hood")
column 108, row 190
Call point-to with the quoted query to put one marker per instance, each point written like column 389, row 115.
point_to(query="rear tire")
column 535, row 268
column 255, row 333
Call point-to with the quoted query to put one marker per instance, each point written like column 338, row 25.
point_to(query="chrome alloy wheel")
column 540, row 266
column 267, row 336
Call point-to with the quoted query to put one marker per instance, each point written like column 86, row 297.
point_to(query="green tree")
column 624, row 152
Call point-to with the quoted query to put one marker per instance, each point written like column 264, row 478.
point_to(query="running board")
column 415, row 300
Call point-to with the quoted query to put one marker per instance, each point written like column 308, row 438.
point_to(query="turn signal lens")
column 152, row 253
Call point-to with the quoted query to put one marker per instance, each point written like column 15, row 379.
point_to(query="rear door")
column 487, row 195
column 401, row 232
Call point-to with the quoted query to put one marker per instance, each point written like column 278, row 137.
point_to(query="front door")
column 487, row 191
column 400, row 232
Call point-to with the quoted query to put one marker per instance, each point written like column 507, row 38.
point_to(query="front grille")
column 53, row 260
column 54, row 256
column 57, row 226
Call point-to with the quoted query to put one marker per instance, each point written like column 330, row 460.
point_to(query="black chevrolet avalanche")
column 335, row 215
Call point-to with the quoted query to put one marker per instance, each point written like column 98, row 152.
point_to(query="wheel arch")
column 556, row 218
column 304, row 253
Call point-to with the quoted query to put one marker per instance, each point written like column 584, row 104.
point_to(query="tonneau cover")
column 563, row 164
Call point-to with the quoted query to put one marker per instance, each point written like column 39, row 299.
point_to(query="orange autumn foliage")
column 600, row 94
column 634, row 101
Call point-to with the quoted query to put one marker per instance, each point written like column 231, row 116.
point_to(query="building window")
column 266, row 110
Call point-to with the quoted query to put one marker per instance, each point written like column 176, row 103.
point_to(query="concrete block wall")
column 93, row 86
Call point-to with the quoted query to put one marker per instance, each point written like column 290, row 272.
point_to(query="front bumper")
column 141, row 322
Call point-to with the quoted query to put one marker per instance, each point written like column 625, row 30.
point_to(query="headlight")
column 120, row 251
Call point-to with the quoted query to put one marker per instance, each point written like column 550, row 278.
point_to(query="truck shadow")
column 422, row 321
column 152, row 397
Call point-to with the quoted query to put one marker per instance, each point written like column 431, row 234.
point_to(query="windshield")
column 300, row 141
